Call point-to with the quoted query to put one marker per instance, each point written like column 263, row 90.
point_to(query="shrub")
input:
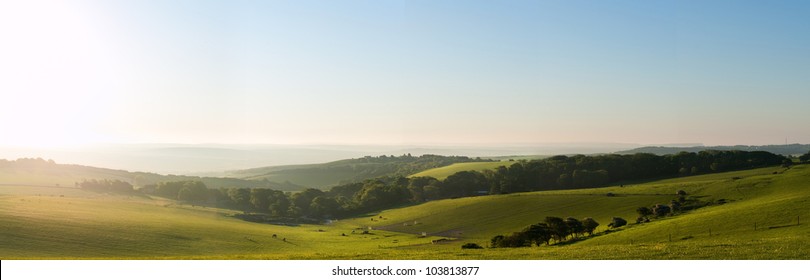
column 617, row 222
column 471, row 246
column 660, row 210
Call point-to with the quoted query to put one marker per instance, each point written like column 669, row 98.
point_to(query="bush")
column 471, row 246
column 617, row 222
column 660, row 210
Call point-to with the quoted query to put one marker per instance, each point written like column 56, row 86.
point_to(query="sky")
column 404, row 72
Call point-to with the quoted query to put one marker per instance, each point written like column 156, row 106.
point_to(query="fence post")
column 710, row 232
column 670, row 237
column 755, row 225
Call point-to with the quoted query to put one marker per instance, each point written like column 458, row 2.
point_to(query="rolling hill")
column 786, row 150
column 773, row 198
column 50, row 222
column 333, row 173
column 39, row 172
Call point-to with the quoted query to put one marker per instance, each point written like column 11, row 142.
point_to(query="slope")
column 80, row 225
column 789, row 149
column 333, row 173
column 441, row 173
column 773, row 198
column 38, row 172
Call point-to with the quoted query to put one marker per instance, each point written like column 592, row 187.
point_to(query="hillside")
column 442, row 172
column 773, row 198
column 84, row 225
column 51, row 222
column 786, row 150
column 39, row 172
column 333, row 173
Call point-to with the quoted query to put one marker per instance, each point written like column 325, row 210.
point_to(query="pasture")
column 53, row 223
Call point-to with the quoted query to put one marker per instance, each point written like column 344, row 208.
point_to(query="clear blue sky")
column 404, row 72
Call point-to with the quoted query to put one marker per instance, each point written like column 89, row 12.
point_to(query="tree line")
column 558, row 172
column 552, row 228
column 107, row 186
column 559, row 230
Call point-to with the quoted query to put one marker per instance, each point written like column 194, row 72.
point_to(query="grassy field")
column 773, row 201
column 441, row 173
column 86, row 225
column 56, row 223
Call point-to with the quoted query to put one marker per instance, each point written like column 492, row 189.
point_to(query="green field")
column 86, row 225
column 441, row 173
column 57, row 223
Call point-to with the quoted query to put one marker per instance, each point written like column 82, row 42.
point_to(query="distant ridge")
column 790, row 149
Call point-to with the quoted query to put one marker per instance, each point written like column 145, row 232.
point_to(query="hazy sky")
column 404, row 72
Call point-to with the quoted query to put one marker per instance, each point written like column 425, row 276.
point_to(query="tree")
column 617, row 222
column 107, row 186
column 538, row 233
column 240, row 198
column 558, row 228
column 589, row 225
column 660, row 210
column 417, row 185
column 193, row 192
column 377, row 195
column 805, row 157
column 496, row 241
column 260, row 199
column 575, row 227
column 517, row 239
column 643, row 212
column 464, row 183
column 590, row 179
column 471, row 246
column 301, row 201
column 674, row 205
column 279, row 203
column 564, row 181
column 324, row 207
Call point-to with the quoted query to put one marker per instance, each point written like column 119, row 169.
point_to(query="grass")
column 102, row 226
column 773, row 201
column 442, row 173
column 53, row 223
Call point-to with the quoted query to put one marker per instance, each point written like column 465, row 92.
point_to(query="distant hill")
column 791, row 149
column 349, row 170
column 40, row 172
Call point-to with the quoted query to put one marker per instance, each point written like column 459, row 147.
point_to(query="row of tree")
column 553, row 228
column 106, row 186
column 559, row 172
column 805, row 157
column 564, row 172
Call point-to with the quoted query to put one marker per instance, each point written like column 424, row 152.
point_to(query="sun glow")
column 57, row 75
